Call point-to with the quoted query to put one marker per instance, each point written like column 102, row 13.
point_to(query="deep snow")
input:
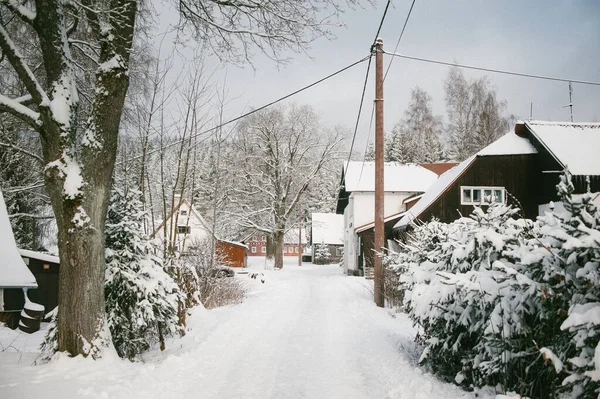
column 307, row 332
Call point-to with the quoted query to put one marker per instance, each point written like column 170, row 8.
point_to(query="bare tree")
column 283, row 151
column 474, row 114
column 416, row 138
column 79, row 150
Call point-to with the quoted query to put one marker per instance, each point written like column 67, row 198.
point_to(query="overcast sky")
column 553, row 38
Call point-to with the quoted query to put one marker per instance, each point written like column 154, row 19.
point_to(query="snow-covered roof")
column 39, row 255
column 371, row 225
column 509, row 144
column 13, row 271
column 574, row 145
column 236, row 243
column 360, row 176
column 435, row 191
column 328, row 228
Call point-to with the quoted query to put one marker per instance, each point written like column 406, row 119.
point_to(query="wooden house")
column 328, row 229
column 45, row 269
column 521, row 168
column 233, row 254
column 15, row 278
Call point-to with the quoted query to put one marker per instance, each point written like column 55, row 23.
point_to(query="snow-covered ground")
column 307, row 332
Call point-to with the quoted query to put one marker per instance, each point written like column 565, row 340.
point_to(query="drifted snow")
column 307, row 332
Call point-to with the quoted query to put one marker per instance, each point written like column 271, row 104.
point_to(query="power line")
column 259, row 108
column 381, row 22
column 399, row 39
column 362, row 97
column 525, row 75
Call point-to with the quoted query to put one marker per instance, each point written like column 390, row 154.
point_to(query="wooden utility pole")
column 379, row 190
column 300, row 250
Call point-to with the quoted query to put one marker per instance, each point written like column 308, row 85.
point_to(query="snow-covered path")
column 308, row 332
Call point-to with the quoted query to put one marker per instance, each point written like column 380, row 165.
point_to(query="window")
column 183, row 212
column 482, row 195
column 263, row 238
column 296, row 250
column 285, row 250
column 183, row 229
column 253, row 250
column 263, row 250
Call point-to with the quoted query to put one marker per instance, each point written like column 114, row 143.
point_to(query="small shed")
column 15, row 277
column 45, row 269
column 234, row 254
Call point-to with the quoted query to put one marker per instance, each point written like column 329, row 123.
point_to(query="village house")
column 521, row 169
column 187, row 230
column 257, row 243
column 328, row 229
column 356, row 201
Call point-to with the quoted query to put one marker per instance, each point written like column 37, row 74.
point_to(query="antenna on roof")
column 531, row 112
column 570, row 105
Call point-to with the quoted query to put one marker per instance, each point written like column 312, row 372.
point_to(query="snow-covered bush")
column 321, row 254
column 576, row 246
column 217, row 284
column 509, row 302
column 474, row 301
column 141, row 298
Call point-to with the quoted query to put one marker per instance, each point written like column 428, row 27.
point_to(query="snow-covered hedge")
column 509, row 302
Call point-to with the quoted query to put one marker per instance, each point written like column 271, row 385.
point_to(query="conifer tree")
column 141, row 298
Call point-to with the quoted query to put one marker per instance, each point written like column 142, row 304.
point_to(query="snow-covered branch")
column 15, row 59
column 16, row 108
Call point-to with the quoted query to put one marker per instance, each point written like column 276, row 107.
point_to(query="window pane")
column 498, row 196
column 466, row 195
column 263, row 250
column 285, row 250
column 476, row 196
column 487, row 196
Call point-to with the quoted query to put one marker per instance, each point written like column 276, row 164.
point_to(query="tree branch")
column 23, row 151
column 15, row 59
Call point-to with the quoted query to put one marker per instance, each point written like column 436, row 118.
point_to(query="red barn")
column 233, row 254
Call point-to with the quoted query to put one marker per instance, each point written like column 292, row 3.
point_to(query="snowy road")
column 308, row 332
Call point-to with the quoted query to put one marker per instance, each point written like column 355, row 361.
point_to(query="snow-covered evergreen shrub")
column 474, row 300
column 141, row 298
column 509, row 302
column 321, row 254
column 576, row 246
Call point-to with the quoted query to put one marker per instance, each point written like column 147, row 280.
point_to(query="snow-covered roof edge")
column 39, row 255
column 435, row 191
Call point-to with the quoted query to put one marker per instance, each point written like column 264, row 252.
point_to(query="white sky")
column 558, row 38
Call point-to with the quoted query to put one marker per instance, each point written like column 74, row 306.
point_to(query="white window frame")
column 284, row 249
column 482, row 200
column 253, row 250
column 296, row 249
column 263, row 250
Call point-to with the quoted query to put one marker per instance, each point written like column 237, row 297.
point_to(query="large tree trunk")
column 80, row 161
column 278, row 247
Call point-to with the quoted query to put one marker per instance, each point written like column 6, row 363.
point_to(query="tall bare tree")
column 79, row 152
column 283, row 151
column 474, row 114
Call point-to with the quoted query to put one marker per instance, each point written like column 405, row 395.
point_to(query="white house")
column 185, row 227
column 15, row 276
column 356, row 199
column 328, row 229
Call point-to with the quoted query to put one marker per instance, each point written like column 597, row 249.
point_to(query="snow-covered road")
column 307, row 332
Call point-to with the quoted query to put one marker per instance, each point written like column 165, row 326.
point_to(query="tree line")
column 475, row 119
